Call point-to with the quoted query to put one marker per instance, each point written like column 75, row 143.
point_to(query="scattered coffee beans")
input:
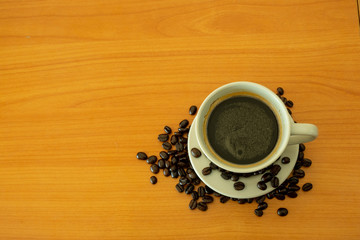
column 307, row 187
column 195, row 195
column 179, row 188
column 152, row 159
column 206, row 171
column 153, row 180
column 163, row 137
column 195, row 152
column 192, row 110
column 141, row 156
column 183, row 124
column 280, row 91
column 258, row 212
column 207, row 199
column 285, row 160
column 167, row 129
column 154, row 168
column 306, row 162
column 262, row 206
column 262, row 185
column 166, row 146
column 224, row 199
column 275, row 182
column 282, row 212
column 192, row 204
column 239, row 186
column 202, row 206
column 166, row 172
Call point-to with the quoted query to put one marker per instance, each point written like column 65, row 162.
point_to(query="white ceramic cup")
column 289, row 132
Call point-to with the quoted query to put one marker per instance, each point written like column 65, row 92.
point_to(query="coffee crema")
column 242, row 130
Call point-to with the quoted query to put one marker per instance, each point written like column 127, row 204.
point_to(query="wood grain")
column 85, row 85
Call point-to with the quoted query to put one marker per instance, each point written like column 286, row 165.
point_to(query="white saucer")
column 226, row 187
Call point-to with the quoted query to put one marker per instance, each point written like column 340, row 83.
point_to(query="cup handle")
column 302, row 133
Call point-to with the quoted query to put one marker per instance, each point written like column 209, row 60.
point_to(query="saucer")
column 226, row 187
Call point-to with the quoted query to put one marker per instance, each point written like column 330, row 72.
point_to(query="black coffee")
column 242, row 130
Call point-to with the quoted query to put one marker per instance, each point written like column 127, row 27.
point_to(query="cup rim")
column 284, row 117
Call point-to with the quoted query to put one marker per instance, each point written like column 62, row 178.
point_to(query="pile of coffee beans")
column 174, row 161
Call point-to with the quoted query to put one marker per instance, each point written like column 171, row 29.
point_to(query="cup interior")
column 247, row 89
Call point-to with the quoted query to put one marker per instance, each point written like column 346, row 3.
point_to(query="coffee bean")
column 195, row 152
column 153, row 180
column 283, row 99
column 183, row 130
column 181, row 172
column 167, row 129
column 166, row 172
column 192, row 175
column 189, row 189
column 275, row 169
column 260, row 199
column 234, row 199
column 189, row 170
column 192, row 110
column 202, row 206
column 302, row 147
column 250, row 200
column 178, row 134
column 167, row 164
column 201, row 191
column 275, row 182
column 216, row 194
column 141, row 156
column 183, row 140
column 208, row 190
column 280, row 91
column 179, row 188
column 282, row 212
column 270, row 195
column 196, row 181
column 242, row 201
column 281, row 190
column 173, row 139
column 246, row 175
column 279, row 196
column 226, row 175
column 293, row 180
column 301, row 156
column 298, row 164
column 166, row 146
column 152, row 159
column 267, row 177
column 183, row 181
column 258, row 212
column 289, row 103
column 161, row 164
column 174, row 174
column 172, row 152
column 262, row 206
column 285, row 160
column 154, row 168
column 307, row 187
column 262, row 185
column 174, row 160
column 292, row 194
column 235, row 177
column 183, row 124
column 180, row 155
column 179, row 147
column 306, row 162
column 192, row 204
column 213, row 166
column 206, row 171
column 163, row 137
column 224, row 199
column 164, row 155
column 293, row 187
column 239, row 186
column 289, row 111
column 207, row 199
column 195, row 195
column 299, row 173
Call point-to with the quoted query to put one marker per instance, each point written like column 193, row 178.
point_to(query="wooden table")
column 85, row 85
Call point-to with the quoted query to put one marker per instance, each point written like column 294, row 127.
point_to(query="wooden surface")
column 85, row 85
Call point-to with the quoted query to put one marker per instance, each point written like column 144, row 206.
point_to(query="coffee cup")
column 245, row 127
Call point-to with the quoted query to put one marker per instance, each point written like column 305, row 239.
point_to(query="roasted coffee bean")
column 202, row 206
column 250, row 200
column 141, row 156
column 280, row 91
column 201, row 191
column 293, row 187
column 166, row 172
column 275, row 169
column 183, row 181
column 306, row 162
column 267, row 177
column 195, row 152
column 178, row 134
column 181, row 172
column 192, row 204
column 242, row 201
column 173, row 139
column 282, row 212
column 161, row 164
column 192, row 175
column 281, row 190
column 289, row 111
column 206, row 171
column 299, row 173
column 163, row 137
column 167, row 129
column 153, row 180
column 195, row 195
column 285, row 160
column 207, row 199
column 283, row 99
column 262, row 206
column 260, row 199
column 246, row 175
column 216, row 194
column 213, row 166
column 154, row 168
column 293, row 180
column 167, row 164
column 302, row 147
column 166, row 146
column 183, row 140
column 292, row 194
column 174, row 160
column 189, row 189
column 181, row 155
column 224, row 199
column 301, row 156
column 226, row 175
column 284, row 184
column 234, row 199
column 164, row 155
column 258, row 212
column 239, row 186
column 289, row 103
column 196, row 181
column 174, row 174
column 208, row 190
column 184, row 123
column 298, row 164
column 275, row 182
column 307, row 187
column 179, row 188
column 192, row 110
column 235, row 177
column 189, row 170
column 172, row 152
column 262, row 185
column 179, row 147
column 279, row 196
column 181, row 164
column 183, row 130
column 152, row 159
column 270, row 195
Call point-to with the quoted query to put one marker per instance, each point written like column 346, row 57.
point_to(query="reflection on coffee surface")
column 242, row 130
